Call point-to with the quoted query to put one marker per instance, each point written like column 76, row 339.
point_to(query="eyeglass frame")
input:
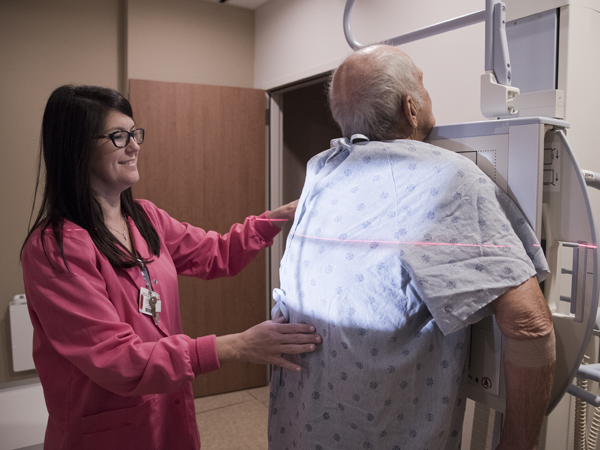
column 111, row 136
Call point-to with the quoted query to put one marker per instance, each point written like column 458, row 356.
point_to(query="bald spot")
column 355, row 72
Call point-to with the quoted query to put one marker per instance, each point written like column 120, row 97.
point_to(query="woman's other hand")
column 264, row 343
column 283, row 214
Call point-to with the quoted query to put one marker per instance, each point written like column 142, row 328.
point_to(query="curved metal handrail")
column 559, row 389
column 432, row 30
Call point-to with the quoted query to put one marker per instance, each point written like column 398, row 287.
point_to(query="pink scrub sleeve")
column 209, row 255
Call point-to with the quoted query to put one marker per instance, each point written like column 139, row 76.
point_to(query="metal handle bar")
column 592, row 179
column 584, row 395
column 432, row 30
column 496, row 48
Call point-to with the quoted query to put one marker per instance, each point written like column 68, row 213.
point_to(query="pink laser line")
column 362, row 241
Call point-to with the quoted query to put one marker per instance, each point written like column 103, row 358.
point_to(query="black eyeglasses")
column 121, row 138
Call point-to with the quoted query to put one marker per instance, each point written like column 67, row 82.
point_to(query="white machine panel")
column 490, row 153
column 509, row 151
column 485, row 372
column 21, row 334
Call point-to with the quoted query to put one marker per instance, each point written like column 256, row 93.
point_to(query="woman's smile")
column 114, row 169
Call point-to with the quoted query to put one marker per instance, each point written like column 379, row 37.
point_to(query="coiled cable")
column 580, row 418
column 592, row 441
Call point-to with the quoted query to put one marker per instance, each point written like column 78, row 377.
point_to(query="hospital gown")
column 396, row 248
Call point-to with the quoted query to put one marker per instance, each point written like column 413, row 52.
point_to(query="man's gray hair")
column 371, row 103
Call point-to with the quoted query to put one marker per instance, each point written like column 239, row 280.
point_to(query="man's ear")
column 410, row 111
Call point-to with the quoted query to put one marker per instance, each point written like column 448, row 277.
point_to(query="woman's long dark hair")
column 73, row 119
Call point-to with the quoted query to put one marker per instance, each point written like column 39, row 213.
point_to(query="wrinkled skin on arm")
column 525, row 320
column 523, row 313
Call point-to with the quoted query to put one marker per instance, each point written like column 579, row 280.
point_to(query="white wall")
column 298, row 39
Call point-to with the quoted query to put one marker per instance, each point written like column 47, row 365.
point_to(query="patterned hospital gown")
column 396, row 248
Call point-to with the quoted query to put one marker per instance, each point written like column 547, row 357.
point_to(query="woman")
column 100, row 273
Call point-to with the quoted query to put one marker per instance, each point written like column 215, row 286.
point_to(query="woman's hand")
column 283, row 214
column 264, row 343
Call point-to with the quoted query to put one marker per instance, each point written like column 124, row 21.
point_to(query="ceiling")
column 248, row 4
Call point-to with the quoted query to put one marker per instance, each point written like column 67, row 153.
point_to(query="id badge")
column 149, row 302
column 144, row 301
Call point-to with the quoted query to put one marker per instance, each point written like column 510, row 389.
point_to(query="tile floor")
column 234, row 421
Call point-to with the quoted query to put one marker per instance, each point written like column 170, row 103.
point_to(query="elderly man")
column 396, row 248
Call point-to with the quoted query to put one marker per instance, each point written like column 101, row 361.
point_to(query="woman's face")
column 114, row 169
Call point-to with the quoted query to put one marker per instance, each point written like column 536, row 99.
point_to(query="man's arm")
column 525, row 320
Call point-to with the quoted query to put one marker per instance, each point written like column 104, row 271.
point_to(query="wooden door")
column 204, row 162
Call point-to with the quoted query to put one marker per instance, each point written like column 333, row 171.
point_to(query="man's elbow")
column 525, row 321
column 522, row 313
column 533, row 326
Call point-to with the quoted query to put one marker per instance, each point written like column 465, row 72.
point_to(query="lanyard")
column 146, row 276
column 149, row 302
